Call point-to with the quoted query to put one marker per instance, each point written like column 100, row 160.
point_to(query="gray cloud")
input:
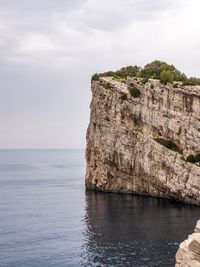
column 50, row 48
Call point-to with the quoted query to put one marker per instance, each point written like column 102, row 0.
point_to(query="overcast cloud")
column 50, row 48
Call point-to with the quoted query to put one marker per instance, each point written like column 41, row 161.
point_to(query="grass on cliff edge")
column 157, row 69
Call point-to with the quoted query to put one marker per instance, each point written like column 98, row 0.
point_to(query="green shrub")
column 192, row 81
column 156, row 67
column 190, row 159
column 166, row 76
column 95, row 77
column 168, row 144
column 195, row 159
column 132, row 71
column 134, row 91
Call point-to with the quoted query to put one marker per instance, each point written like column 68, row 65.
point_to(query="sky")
column 49, row 50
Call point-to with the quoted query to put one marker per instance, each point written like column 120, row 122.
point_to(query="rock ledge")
column 188, row 254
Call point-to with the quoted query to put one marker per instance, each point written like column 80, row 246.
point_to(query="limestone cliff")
column 122, row 152
column 188, row 254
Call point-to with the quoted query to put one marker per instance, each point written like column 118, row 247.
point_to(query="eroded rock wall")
column 122, row 155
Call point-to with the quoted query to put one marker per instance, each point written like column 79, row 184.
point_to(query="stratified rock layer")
column 188, row 254
column 122, row 154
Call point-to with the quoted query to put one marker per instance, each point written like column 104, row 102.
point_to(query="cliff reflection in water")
column 128, row 230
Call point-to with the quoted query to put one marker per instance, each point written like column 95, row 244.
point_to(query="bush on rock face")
column 134, row 91
column 168, row 144
column 193, row 158
column 190, row 159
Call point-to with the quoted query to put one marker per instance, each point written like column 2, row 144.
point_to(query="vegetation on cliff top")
column 159, row 70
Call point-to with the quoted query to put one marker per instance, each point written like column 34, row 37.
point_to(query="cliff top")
column 156, row 70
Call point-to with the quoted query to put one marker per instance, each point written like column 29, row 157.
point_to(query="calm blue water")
column 47, row 219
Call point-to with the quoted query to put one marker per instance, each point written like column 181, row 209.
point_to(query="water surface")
column 47, row 219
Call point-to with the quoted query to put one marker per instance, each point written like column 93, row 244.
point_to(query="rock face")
column 188, row 254
column 122, row 154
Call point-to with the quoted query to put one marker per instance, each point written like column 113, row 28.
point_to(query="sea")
column 48, row 219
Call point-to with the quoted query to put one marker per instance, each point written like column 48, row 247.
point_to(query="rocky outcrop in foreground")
column 137, row 141
column 188, row 254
